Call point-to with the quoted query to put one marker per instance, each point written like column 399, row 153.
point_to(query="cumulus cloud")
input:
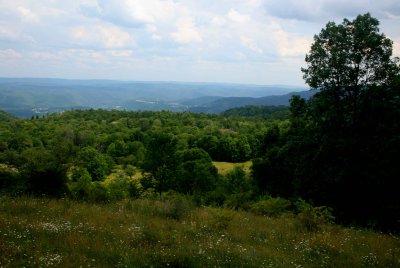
column 46, row 56
column 250, row 44
column 396, row 47
column 10, row 54
column 187, row 32
column 27, row 14
column 235, row 16
column 218, row 21
column 133, row 13
column 210, row 39
column 102, row 36
column 8, row 34
column 289, row 44
column 120, row 53
column 310, row 10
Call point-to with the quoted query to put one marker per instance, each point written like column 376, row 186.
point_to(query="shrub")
column 220, row 219
column 80, row 184
column 98, row 193
column 11, row 182
column 176, row 206
column 312, row 218
column 239, row 201
column 43, row 173
column 271, row 206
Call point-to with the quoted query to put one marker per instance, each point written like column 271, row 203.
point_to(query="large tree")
column 161, row 160
column 342, row 145
column 352, row 125
column 346, row 60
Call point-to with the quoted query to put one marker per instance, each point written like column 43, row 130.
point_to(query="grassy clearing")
column 153, row 233
column 226, row 167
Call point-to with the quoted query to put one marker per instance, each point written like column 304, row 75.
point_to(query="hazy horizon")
column 300, row 87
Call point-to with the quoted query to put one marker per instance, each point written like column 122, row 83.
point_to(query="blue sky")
column 235, row 41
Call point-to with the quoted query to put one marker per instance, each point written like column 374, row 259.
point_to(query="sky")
column 230, row 41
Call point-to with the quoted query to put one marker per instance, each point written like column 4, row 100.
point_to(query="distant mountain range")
column 25, row 97
column 222, row 104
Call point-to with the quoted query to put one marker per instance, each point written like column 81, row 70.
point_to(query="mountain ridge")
column 25, row 97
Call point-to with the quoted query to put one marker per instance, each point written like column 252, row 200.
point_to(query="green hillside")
column 40, row 232
column 6, row 116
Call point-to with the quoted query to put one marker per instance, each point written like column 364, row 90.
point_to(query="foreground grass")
column 42, row 232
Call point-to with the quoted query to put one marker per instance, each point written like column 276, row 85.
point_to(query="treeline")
column 175, row 150
column 260, row 111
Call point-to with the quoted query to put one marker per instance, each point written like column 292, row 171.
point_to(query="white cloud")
column 27, row 14
column 83, row 55
column 8, row 34
column 187, row 32
column 290, row 45
column 165, row 39
column 156, row 37
column 103, row 36
column 250, row 44
column 235, row 16
column 134, row 13
column 120, row 53
column 325, row 10
column 44, row 55
column 218, row 21
column 396, row 47
column 10, row 54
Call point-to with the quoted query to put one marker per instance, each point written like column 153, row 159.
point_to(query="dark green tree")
column 95, row 163
column 344, row 62
column 340, row 148
column 43, row 173
column 161, row 160
column 348, row 130
column 197, row 174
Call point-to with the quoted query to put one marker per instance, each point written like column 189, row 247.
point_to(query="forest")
column 310, row 184
column 335, row 153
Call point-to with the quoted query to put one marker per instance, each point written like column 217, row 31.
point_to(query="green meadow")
column 171, row 232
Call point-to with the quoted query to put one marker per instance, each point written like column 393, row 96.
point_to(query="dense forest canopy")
column 338, row 149
column 174, row 150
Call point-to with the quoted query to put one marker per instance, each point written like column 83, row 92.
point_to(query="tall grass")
column 43, row 232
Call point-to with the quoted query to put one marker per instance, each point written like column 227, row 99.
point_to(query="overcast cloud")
column 239, row 41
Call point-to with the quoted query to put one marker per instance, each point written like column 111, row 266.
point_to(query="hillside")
column 6, row 116
column 39, row 232
column 27, row 97
column 223, row 104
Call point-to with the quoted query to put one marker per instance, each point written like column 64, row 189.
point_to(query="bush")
column 271, row 206
column 81, row 184
column 11, row 182
column 239, row 201
column 220, row 219
column 43, row 173
column 313, row 218
column 176, row 206
column 98, row 193
column 214, row 198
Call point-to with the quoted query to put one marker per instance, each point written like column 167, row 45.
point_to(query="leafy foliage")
column 337, row 149
column 340, row 148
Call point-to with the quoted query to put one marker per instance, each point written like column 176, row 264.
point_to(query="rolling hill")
column 25, row 97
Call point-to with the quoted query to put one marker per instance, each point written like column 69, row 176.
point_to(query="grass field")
column 41, row 232
column 225, row 167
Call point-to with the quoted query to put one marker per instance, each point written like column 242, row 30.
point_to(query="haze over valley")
column 25, row 97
